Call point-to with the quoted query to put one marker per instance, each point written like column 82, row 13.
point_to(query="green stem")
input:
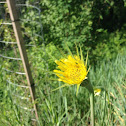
column 90, row 89
column 92, row 108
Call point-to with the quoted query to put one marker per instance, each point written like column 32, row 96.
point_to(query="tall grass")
column 110, row 105
column 63, row 108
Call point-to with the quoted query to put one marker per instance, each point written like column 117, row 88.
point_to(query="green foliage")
column 99, row 27
column 109, row 45
column 66, row 21
column 62, row 107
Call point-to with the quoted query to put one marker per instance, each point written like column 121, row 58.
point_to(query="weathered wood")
column 17, row 30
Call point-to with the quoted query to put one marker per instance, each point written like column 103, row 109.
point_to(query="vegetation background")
column 99, row 26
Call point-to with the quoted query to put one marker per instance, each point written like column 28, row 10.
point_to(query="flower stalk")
column 91, row 91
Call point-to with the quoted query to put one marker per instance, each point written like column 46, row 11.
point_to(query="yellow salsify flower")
column 97, row 91
column 73, row 70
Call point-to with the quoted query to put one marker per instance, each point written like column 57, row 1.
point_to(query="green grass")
column 62, row 107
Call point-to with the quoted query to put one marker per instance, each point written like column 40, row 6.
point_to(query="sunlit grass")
column 64, row 108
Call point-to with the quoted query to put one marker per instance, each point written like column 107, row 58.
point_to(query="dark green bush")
column 99, row 26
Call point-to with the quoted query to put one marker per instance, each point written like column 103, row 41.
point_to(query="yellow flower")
column 97, row 92
column 73, row 70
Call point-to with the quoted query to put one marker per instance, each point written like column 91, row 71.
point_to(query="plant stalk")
column 91, row 90
column 92, row 108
